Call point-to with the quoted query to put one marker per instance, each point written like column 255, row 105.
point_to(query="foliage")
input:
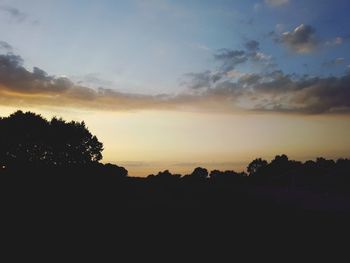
column 29, row 139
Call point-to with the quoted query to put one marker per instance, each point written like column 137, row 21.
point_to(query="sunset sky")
column 179, row 84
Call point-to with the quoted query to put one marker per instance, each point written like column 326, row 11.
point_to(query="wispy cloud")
column 4, row 46
column 335, row 42
column 14, row 13
column 199, row 46
column 275, row 3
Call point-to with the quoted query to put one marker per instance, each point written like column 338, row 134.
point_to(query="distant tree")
column 164, row 174
column 29, row 139
column 280, row 160
column 224, row 174
column 215, row 174
column 323, row 163
column 164, row 177
column 279, row 165
column 255, row 166
column 198, row 173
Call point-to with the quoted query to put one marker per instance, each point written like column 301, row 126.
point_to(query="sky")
column 179, row 84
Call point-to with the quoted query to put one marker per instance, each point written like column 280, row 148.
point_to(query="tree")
column 72, row 143
column 29, row 139
column 165, row 177
column 224, row 174
column 256, row 165
column 199, row 173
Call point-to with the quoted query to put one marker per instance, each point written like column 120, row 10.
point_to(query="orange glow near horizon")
column 146, row 142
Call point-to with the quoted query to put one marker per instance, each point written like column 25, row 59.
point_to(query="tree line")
column 29, row 142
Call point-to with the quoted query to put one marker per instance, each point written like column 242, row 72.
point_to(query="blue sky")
column 147, row 46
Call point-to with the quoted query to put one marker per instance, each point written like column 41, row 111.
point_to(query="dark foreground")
column 74, row 211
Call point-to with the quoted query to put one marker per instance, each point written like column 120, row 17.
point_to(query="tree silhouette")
column 75, row 144
column 198, row 174
column 165, row 177
column 29, row 139
column 256, row 165
column 112, row 169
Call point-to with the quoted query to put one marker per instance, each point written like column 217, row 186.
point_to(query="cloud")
column 252, row 45
column 5, row 46
column 199, row 80
column 231, row 58
column 93, row 80
column 279, row 28
column 14, row 13
column 279, row 92
column 276, row 2
column 333, row 62
column 272, row 91
column 199, row 46
column 18, row 86
column 301, row 40
column 335, row 42
column 21, row 87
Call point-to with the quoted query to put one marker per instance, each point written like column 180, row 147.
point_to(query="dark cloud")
column 199, row 80
column 271, row 90
column 301, row 40
column 231, row 58
column 14, row 13
column 281, row 92
column 20, row 86
column 15, row 76
column 5, row 46
column 252, row 45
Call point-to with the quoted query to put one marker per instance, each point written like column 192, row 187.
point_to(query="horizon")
column 175, row 85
